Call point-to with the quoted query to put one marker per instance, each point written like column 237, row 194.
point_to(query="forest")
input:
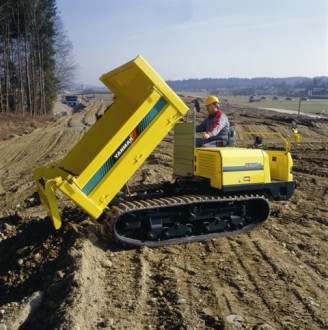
column 35, row 56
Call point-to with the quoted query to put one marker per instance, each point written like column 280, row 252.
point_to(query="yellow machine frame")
column 99, row 165
column 231, row 166
column 145, row 109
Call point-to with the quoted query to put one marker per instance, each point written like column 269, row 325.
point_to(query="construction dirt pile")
column 274, row 277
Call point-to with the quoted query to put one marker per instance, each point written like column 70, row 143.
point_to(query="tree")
column 66, row 68
column 35, row 58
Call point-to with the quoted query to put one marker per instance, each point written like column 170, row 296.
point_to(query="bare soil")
column 274, row 277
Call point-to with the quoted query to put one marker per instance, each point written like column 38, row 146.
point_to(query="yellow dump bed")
column 94, row 171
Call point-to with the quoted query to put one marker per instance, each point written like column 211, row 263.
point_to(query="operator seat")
column 231, row 137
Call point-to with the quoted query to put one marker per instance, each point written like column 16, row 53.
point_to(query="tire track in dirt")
column 121, row 289
column 253, row 280
column 94, row 111
column 12, row 172
column 154, row 290
column 24, row 147
column 132, row 295
column 147, row 290
column 301, row 245
column 88, row 295
column 225, row 293
column 60, row 138
column 190, row 289
column 295, row 277
column 259, row 281
column 102, row 290
column 262, row 280
column 53, row 142
column 169, row 287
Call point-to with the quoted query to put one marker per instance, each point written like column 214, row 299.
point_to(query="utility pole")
column 299, row 107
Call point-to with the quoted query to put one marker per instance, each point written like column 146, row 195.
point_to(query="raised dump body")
column 94, row 171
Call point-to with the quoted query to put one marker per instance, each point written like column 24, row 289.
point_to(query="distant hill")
column 230, row 83
column 295, row 86
column 260, row 85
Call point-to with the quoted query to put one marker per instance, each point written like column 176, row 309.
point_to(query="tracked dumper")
column 216, row 192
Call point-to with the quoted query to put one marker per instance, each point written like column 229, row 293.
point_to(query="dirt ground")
column 274, row 277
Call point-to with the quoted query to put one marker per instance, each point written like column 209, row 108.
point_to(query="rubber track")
column 116, row 211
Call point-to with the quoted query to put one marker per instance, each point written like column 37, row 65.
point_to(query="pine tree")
column 29, row 49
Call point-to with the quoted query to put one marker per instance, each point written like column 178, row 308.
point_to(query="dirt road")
column 274, row 277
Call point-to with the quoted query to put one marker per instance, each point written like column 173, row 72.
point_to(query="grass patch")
column 313, row 106
column 12, row 125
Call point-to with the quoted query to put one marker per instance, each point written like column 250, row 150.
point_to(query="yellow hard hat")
column 211, row 99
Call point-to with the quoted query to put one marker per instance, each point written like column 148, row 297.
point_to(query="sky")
column 184, row 39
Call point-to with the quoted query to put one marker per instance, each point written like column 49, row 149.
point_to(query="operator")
column 215, row 127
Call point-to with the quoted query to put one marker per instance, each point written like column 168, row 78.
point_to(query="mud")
column 274, row 277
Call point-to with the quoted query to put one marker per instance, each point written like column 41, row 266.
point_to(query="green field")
column 313, row 106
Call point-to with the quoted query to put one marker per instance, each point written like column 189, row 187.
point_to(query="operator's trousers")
column 199, row 143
